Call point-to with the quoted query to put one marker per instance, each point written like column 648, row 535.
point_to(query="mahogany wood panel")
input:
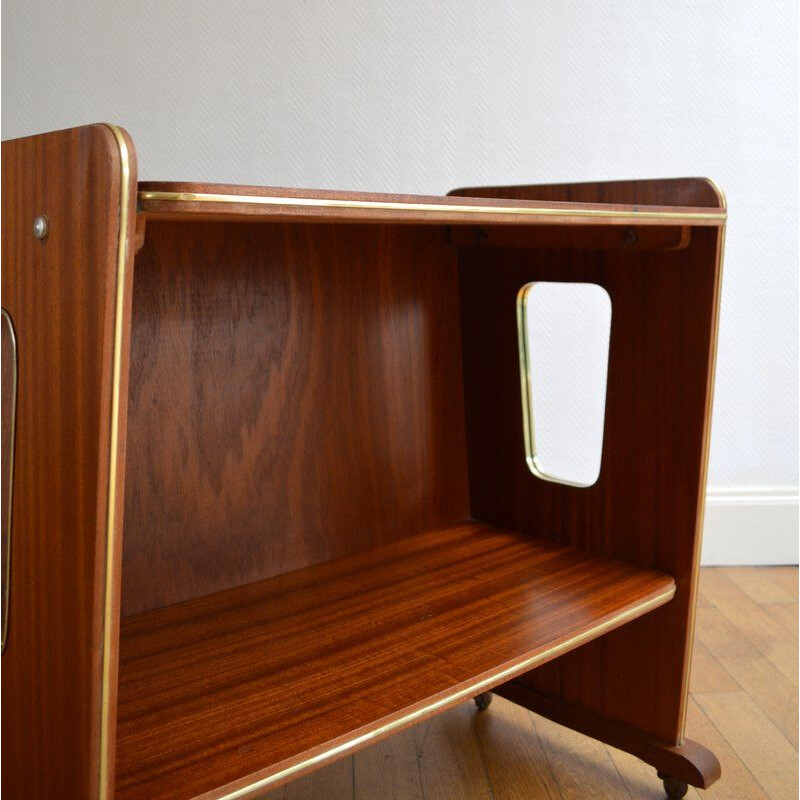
column 695, row 192
column 258, row 679
column 311, row 207
column 296, row 395
column 573, row 237
column 60, row 293
column 646, row 506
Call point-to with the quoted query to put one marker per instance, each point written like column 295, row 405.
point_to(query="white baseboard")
column 751, row 525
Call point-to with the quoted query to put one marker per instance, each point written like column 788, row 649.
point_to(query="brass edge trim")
column 380, row 205
column 721, row 192
column 475, row 688
column 111, row 532
column 524, row 376
column 10, row 488
column 528, row 426
column 701, row 511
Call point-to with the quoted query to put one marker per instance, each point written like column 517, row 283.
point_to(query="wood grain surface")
column 573, row 237
column 310, row 206
column 664, row 192
column 647, row 504
column 508, row 753
column 262, row 677
column 60, row 292
column 295, row 396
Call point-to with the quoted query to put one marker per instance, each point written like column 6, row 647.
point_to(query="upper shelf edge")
column 187, row 201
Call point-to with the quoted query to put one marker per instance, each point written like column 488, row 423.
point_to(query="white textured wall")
column 426, row 96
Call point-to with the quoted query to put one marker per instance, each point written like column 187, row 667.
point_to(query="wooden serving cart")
column 267, row 499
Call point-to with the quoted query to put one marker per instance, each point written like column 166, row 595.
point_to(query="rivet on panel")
column 41, row 227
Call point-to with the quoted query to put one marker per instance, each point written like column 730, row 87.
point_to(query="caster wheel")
column 674, row 788
column 483, row 701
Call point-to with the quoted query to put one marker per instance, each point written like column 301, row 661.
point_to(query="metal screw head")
column 630, row 237
column 41, row 227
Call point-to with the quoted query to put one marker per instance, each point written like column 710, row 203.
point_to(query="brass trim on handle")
column 8, row 323
column 526, row 382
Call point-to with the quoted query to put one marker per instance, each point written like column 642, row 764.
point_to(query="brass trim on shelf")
column 104, row 789
column 6, row 523
column 462, row 694
column 448, row 208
